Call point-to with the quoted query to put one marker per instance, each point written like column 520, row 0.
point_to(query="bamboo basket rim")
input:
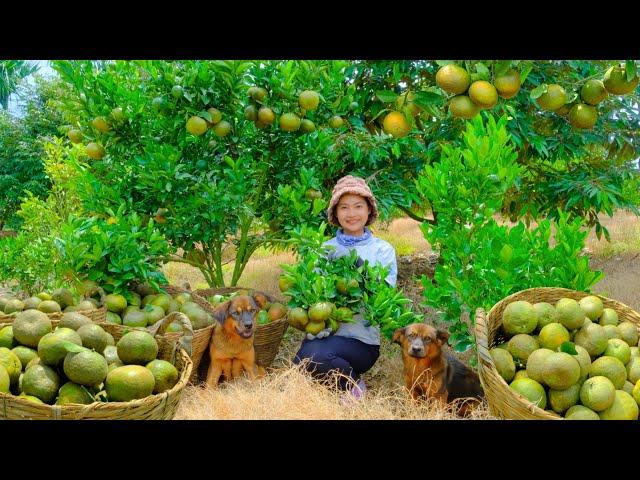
column 489, row 376
column 79, row 411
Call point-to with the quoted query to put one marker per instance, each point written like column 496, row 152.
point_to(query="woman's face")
column 352, row 212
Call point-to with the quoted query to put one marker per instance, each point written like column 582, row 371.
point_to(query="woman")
column 355, row 347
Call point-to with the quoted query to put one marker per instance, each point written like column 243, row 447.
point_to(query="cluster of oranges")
column 263, row 116
column 471, row 97
column 103, row 125
column 197, row 125
column 583, row 113
column 467, row 100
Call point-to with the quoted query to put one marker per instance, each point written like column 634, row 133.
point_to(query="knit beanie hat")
column 356, row 186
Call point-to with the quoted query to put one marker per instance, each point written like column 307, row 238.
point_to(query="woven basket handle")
column 161, row 326
column 482, row 341
column 103, row 296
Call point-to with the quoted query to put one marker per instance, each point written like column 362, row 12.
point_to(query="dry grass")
column 624, row 228
column 404, row 234
column 288, row 393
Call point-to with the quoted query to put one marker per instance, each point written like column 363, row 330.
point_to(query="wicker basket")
column 266, row 339
column 201, row 336
column 161, row 406
column 504, row 402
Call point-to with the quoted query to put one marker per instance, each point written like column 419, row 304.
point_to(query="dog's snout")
column 247, row 321
column 416, row 347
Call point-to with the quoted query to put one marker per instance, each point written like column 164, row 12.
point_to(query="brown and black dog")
column 430, row 372
column 231, row 348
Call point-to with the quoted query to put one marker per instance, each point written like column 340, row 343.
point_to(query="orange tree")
column 227, row 156
column 567, row 164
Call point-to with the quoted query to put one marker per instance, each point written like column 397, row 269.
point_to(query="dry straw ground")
column 287, row 393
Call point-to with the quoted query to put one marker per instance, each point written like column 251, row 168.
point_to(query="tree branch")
column 418, row 218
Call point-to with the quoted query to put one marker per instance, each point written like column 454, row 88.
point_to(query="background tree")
column 12, row 72
column 22, row 150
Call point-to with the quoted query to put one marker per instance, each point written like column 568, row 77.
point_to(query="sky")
column 44, row 70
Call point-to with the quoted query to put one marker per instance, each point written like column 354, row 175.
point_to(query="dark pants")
column 348, row 356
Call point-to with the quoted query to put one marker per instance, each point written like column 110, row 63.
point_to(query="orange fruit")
column 74, row 135
column 320, row 312
column 615, row 81
column 216, row 115
column 307, row 126
column 266, row 115
column 312, row 194
column 258, row 93
column 298, row 317
column 582, row 115
column 284, row 284
column 461, row 106
column 100, row 124
column 508, row 84
column 117, row 114
column 453, row 79
column 564, row 110
column 555, row 98
column 309, row 100
column 276, row 311
column 336, row 121
column 222, row 129
column 95, row 150
column 252, row 90
column 196, row 125
column 593, row 92
column 396, row 124
column 289, row 122
column 177, row 91
column 483, row 94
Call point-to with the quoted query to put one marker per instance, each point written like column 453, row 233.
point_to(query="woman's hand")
column 321, row 334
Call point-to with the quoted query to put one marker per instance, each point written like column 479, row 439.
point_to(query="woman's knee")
column 319, row 358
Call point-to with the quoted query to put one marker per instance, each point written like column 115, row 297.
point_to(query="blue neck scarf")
column 351, row 241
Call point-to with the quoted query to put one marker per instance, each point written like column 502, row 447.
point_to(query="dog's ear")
column 398, row 335
column 442, row 336
column 261, row 299
column 221, row 312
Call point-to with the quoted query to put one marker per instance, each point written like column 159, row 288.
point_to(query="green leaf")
column 568, row 347
column 502, row 67
column 206, row 115
column 631, row 69
column 539, row 91
column 525, row 71
column 386, row 96
column 72, row 347
column 442, row 63
column 483, row 71
column 424, row 99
